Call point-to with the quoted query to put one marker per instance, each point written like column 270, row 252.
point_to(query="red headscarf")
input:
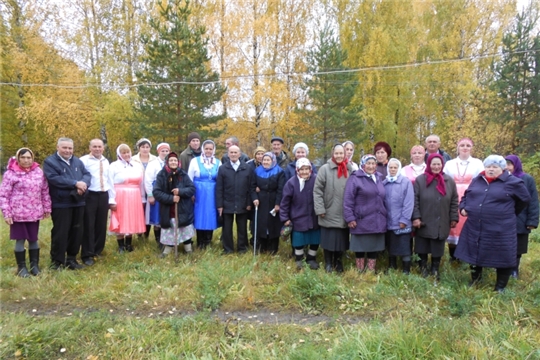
column 430, row 176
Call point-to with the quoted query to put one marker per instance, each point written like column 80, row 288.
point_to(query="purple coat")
column 399, row 202
column 363, row 202
column 24, row 195
column 488, row 238
column 298, row 206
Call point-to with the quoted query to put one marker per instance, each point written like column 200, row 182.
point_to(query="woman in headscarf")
column 400, row 205
column 300, row 150
column 144, row 157
column 528, row 218
column 25, row 200
column 417, row 165
column 297, row 210
column 349, row 153
column 127, row 217
column 270, row 180
column 328, row 198
column 257, row 157
column 491, row 204
column 173, row 190
column 382, row 151
column 435, row 212
column 365, row 212
column 203, row 172
column 462, row 169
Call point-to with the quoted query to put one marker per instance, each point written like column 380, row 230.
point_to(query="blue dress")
column 206, row 216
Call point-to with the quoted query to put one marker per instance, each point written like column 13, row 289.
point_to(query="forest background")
column 319, row 71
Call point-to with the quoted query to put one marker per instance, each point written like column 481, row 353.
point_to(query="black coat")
column 232, row 188
column 271, row 191
column 529, row 215
column 165, row 183
column 488, row 237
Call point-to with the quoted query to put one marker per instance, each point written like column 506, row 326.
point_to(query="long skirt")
column 25, row 231
column 206, row 216
column 184, row 234
column 435, row 247
column 128, row 217
column 334, row 239
column 367, row 242
column 398, row 245
column 304, row 238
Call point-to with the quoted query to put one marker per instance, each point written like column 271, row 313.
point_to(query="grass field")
column 208, row 306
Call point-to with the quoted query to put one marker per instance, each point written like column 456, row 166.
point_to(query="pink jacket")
column 24, row 195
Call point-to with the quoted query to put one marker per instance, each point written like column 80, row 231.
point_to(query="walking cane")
column 255, row 234
column 175, row 232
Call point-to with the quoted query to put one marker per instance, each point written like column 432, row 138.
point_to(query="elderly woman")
column 173, row 190
column 417, row 165
column 203, row 172
column 400, row 205
column 269, row 179
column 127, row 217
column 349, row 153
column 528, row 218
column 365, row 212
column 435, row 212
column 462, row 169
column 297, row 210
column 491, row 204
column 144, row 157
column 382, row 151
column 257, row 157
column 25, row 200
column 328, row 198
column 300, row 150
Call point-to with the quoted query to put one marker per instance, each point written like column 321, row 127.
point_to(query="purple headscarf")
column 518, row 168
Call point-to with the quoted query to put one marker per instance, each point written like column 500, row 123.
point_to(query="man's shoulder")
column 186, row 152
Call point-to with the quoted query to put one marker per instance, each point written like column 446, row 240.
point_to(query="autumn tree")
column 330, row 91
column 179, row 89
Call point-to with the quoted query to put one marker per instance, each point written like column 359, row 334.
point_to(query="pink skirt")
column 129, row 216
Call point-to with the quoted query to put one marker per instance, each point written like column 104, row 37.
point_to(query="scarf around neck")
column 430, row 176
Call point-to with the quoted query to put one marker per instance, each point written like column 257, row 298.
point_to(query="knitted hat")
column 143, row 141
column 383, row 145
column 193, row 135
column 277, row 138
column 302, row 162
column 495, row 160
column 162, row 145
column 300, row 145
column 258, row 149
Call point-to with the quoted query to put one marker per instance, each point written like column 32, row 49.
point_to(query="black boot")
column 328, row 255
column 435, row 263
column 476, row 274
column 312, row 262
column 392, row 262
column 129, row 246
column 157, row 235
column 406, row 267
column 451, row 252
column 338, row 264
column 34, row 261
column 22, row 271
column 503, row 275
column 423, row 265
column 121, row 246
column 515, row 271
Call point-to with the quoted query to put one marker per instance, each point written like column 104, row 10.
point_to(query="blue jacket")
column 488, row 237
column 399, row 202
column 62, row 179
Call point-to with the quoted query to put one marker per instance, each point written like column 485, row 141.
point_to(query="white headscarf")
column 393, row 178
column 119, row 156
column 299, row 163
column 208, row 160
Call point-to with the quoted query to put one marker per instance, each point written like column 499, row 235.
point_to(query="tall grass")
column 207, row 306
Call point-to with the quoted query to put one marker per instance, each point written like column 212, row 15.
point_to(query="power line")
column 276, row 75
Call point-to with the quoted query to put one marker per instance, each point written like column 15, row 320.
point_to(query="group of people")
column 482, row 210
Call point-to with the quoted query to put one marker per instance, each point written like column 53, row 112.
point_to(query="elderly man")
column 233, row 200
column 68, row 182
column 97, row 203
column 193, row 150
column 233, row 140
column 433, row 144
column 281, row 156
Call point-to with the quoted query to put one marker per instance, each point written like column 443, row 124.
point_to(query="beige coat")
column 328, row 195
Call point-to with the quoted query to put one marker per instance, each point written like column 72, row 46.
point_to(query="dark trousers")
column 67, row 233
column 241, row 232
column 95, row 224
